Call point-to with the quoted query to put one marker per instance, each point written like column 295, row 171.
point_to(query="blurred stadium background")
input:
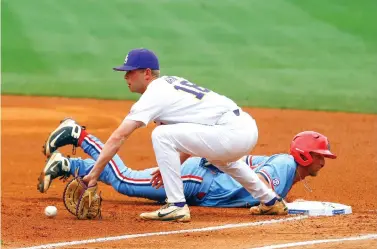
column 318, row 54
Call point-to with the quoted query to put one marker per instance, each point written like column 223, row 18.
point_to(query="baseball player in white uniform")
column 194, row 122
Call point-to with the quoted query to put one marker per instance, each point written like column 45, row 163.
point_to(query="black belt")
column 236, row 112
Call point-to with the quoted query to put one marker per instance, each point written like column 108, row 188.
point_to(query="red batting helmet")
column 310, row 141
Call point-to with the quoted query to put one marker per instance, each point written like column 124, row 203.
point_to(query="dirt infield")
column 27, row 121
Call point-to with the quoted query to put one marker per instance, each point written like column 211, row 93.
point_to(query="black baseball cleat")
column 57, row 166
column 68, row 132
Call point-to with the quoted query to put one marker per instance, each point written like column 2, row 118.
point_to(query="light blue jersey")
column 204, row 185
column 278, row 170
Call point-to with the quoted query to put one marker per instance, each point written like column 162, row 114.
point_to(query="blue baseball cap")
column 140, row 58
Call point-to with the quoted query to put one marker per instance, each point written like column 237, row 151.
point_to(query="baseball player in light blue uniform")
column 204, row 184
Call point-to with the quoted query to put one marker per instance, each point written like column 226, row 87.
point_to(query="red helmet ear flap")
column 301, row 157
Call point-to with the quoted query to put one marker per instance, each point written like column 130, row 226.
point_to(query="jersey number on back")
column 189, row 87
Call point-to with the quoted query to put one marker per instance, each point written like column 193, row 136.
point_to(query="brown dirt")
column 27, row 121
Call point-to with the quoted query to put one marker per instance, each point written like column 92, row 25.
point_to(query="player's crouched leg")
column 169, row 163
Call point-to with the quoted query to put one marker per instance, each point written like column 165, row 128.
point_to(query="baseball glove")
column 82, row 201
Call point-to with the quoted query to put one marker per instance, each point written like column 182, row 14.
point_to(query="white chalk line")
column 313, row 242
column 132, row 236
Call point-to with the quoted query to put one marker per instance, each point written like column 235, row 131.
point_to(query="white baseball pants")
column 222, row 144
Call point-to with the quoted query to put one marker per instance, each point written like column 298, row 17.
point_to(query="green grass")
column 318, row 54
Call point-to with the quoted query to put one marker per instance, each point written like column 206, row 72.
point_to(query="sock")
column 82, row 136
column 272, row 202
column 180, row 204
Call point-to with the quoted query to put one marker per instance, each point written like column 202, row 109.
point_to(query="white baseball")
column 51, row 211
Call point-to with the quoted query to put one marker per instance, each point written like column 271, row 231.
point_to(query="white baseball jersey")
column 192, row 112
column 172, row 100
